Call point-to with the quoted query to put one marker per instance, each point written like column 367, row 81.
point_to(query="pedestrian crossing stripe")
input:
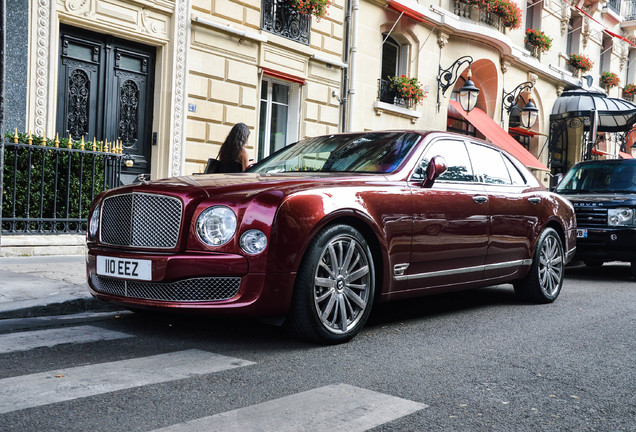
column 29, row 391
column 331, row 408
column 28, row 340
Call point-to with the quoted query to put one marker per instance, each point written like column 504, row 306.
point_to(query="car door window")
column 489, row 164
column 515, row 175
column 457, row 161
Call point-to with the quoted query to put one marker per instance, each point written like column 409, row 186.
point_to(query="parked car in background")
column 603, row 193
column 321, row 230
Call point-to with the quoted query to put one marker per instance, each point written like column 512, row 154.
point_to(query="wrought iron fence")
column 388, row 94
column 48, row 188
column 281, row 19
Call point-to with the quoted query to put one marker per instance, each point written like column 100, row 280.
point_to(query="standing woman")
column 233, row 156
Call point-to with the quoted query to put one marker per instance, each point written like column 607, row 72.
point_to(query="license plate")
column 581, row 233
column 125, row 268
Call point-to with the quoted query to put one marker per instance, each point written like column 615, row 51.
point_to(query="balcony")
column 388, row 94
column 471, row 12
column 281, row 19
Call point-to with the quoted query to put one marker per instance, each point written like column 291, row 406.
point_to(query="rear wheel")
column 545, row 278
column 334, row 287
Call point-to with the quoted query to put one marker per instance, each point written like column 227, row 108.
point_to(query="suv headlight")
column 216, row 225
column 93, row 223
column 620, row 217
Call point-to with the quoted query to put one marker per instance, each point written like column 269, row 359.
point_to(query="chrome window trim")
column 463, row 270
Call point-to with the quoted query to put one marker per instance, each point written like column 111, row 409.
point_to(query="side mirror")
column 436, row 167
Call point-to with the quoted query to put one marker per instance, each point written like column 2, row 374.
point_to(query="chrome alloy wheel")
column 550, row 266
column 342, row 284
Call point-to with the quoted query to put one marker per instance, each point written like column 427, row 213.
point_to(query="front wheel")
column 334, row 287
column 545, row 278
column 633, row 268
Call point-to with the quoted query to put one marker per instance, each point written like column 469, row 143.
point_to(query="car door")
column 450, row 220
column 513, row 211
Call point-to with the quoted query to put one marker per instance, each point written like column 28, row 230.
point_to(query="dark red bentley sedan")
column 321, row 230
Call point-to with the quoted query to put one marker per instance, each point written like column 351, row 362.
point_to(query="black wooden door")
column 105, row 90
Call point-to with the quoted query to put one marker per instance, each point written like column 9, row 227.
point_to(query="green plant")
column 538, row 39
column 580, row 62
column 408, row 88
column 32, row 189
column 629, row 90
column 610, row 79
column 317, row 8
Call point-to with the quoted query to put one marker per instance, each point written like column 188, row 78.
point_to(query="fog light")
column 253, row 241
column 613, row 237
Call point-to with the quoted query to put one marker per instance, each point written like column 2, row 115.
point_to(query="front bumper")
column 193, row 282
column 607, row 244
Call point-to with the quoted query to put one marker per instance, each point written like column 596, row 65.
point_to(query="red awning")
column 625, row 155
column 499, row 137
column 403, row 7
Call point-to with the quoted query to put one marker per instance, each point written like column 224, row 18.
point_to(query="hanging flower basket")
column 610, row 79
column 580, row 62
column 408, row 89
column 538, row 39
column 629, row 90
column 317, row 8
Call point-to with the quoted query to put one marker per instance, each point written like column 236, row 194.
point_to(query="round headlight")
column 216, row 225
column 93, row 223
column 253, row 241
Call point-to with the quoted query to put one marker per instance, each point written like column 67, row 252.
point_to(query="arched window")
column 394, row 63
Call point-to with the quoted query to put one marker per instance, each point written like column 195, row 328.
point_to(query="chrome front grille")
column 187, row 290
column 141, row 220
column 590, row 217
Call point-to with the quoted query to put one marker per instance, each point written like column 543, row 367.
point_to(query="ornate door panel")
column 105, row 90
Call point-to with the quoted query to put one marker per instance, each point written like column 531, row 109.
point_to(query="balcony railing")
column 281, row 19
column 388, row 94
column 48, row 190
column 614, row 6
column 629, row 10
column 466, row 10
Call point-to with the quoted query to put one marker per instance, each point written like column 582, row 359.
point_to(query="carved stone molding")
column 565, row 18
column 77, row 6
column 181, row 31
column 559, row 90
column 42, row 66
column 505, row 65
column 442, row 39
column 533, row 78
column 585, row 32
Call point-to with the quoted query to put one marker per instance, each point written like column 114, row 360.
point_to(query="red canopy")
column 499, row 137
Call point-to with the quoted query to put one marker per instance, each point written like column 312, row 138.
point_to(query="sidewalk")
column 45, row 285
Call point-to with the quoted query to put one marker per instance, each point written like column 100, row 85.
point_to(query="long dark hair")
column 236, row 139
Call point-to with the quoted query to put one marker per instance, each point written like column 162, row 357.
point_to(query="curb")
column 69, row 307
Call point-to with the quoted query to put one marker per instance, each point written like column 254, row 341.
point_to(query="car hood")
column 604, row 200
column 248, row 184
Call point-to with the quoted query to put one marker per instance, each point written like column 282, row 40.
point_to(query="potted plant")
column 538, row 40
column 408, row 89
column 610, row 79
column 629, row 90
column 580, row 62
column 317, row 8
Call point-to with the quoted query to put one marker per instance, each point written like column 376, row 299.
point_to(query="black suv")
column 603, row 193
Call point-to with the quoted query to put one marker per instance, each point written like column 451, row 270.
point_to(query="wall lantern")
column 529, row 114
column 467, row 95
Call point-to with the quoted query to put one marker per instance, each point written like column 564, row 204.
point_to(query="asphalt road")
column 470, row 361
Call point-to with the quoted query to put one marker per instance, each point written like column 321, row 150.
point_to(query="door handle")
column 534, row 200
column 480, row 199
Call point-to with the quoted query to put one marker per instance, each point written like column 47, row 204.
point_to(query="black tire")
column 334, row 289
column 593, row 263
column 633, row 268
column 543, row 282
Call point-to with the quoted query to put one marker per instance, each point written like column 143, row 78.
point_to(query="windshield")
column 368, row 153
column 601, row 177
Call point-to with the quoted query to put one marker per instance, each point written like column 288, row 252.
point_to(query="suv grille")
column 187, row 290
column 590, row 217
column 141, row 220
